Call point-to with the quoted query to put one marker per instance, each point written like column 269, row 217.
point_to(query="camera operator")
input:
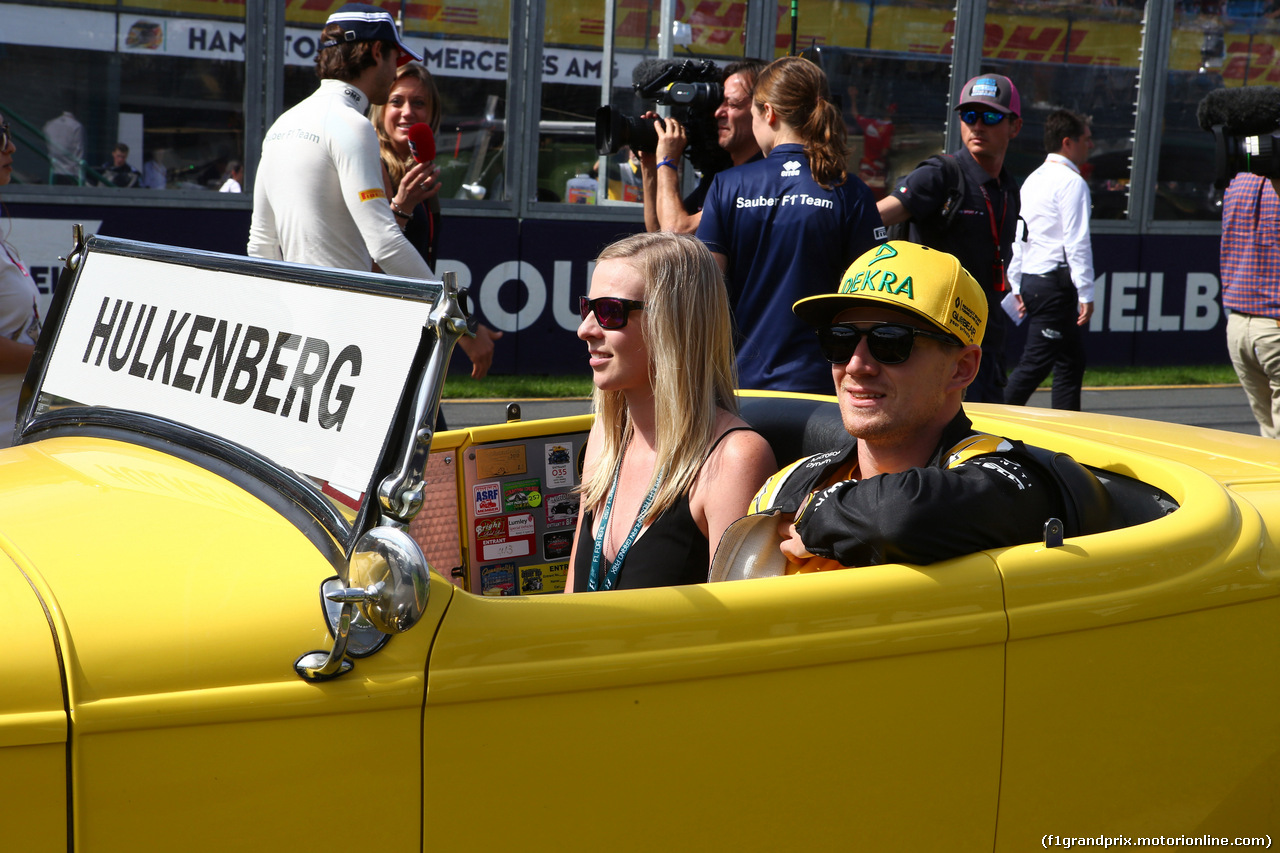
column 664, row 210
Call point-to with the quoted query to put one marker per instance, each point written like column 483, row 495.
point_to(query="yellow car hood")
column 105, row 530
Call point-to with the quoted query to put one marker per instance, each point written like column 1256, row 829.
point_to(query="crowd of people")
column 675, row 323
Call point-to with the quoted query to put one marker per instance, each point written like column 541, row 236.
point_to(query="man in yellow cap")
column 903, row 335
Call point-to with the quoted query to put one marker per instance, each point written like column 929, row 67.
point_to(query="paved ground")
column 1217, row 407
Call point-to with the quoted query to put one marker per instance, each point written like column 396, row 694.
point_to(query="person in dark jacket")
column 903, row 335
column 118, row 173
column 981, row 233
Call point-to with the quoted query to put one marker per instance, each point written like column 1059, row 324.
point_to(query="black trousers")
column 1055, row 344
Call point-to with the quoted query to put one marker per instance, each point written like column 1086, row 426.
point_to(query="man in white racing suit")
column 319, row 197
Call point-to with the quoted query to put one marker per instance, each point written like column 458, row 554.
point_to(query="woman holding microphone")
column 414, row 186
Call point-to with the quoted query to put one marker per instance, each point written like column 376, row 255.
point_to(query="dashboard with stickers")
column 242, row 575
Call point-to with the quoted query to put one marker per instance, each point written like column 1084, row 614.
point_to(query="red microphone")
column 422, row 142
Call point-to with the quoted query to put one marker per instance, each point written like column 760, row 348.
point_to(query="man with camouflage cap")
column 918, row 485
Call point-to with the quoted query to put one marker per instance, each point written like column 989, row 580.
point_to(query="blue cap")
column 362, row 22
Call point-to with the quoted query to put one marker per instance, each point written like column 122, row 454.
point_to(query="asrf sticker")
column 486, row 499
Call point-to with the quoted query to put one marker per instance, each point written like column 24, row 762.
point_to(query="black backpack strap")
column 956, row 187
column 951, row 203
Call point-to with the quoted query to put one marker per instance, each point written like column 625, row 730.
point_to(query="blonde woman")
column 668, row 464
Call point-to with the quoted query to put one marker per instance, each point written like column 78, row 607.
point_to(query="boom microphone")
column 652, row 77
column 422, row 142
column 1244, row 111
column 649, row 70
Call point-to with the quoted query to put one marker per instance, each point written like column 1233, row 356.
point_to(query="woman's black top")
column 672, row 552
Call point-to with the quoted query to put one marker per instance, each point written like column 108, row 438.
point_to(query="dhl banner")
column 464, row 31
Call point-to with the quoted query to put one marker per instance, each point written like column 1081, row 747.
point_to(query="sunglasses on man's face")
column 989, row 117
column 4, row 136
column 889, row 343
column 611, row 311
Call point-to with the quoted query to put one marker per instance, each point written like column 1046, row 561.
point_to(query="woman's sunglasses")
column 611, row 311
column 989, row 117
column 889, row 343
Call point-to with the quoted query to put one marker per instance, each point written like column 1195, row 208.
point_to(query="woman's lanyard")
column 611, row 577
column 12, row 257
column 997, row 266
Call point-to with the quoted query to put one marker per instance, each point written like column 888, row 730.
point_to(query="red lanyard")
column 17, row 263
column 997, row 266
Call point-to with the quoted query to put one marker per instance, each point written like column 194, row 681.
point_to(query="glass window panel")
column 168, row 82
column 568, row 165
column 464, row 44
column 889, row 69
column 1213, row 45
column 1079, row 58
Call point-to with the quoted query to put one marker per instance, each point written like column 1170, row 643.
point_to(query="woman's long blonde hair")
column 797, row 91
column 397, row 166
column 688, row 329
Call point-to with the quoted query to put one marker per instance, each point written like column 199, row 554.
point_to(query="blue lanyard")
column 611, row 577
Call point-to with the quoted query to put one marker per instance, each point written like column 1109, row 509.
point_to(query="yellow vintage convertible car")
column 255, row 604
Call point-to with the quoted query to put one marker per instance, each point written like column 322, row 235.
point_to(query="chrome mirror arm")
column 388, row 580
column 316, row 666
column 400, row 494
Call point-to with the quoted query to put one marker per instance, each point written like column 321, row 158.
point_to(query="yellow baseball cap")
column 910, row 278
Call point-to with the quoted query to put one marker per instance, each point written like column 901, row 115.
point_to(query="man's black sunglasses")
column 989, row 117
column 889, row 343
column 611, row 311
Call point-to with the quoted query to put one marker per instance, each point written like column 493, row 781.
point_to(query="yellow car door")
column 856, row 709
column 33, row 718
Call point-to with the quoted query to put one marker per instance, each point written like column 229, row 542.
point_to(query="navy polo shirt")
column 786, row 238
column 970, row 236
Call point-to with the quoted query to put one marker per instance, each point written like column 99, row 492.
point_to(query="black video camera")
column 1245, row 123
column 693, row 90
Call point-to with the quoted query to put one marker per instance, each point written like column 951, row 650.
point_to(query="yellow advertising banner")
column 1251, row 54
column 1018, row 38
column 194, row 8
column 717, row 28
column 1252, row 59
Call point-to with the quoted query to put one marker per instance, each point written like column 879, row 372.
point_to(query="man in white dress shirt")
column 66, row 149
column 1051, row 274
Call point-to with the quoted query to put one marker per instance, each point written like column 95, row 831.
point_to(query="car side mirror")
column 387, row 583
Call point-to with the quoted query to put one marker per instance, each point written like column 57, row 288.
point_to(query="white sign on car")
column 305, row 375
